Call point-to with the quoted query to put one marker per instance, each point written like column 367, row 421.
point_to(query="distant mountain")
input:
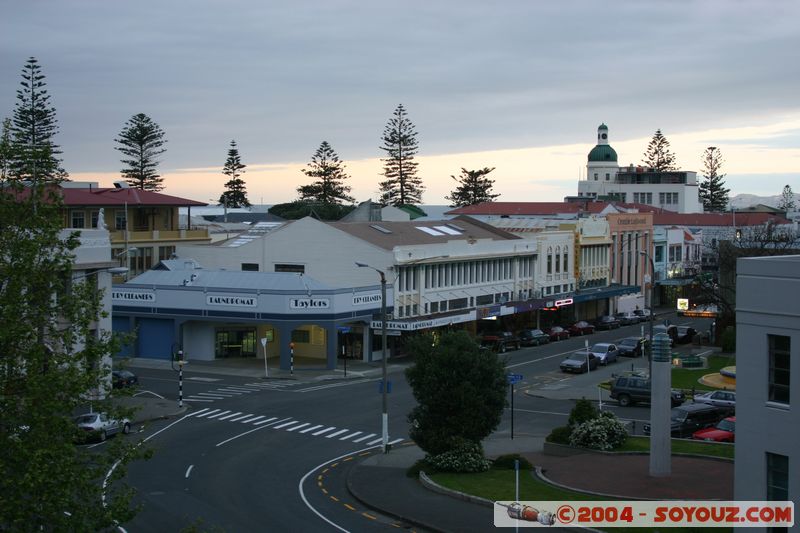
column 741, row 201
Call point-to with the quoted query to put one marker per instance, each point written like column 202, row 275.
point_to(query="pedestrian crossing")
column 232, row 391
column 290, row 424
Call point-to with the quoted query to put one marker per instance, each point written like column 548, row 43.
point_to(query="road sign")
column 514, row 378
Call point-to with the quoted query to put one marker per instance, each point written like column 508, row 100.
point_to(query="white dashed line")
column 240, row 418
column 252, row 419
column 218, row 414
column 290, row 423
column 351, row 435
column 208, row 413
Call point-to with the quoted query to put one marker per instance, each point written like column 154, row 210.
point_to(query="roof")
column 387, row 234
column 229, row 279
column 602, row 152
column 413, row 211
column 603, row 126
column 259, row 216
column 101, row 197
column 545, row 208
column 716, row 219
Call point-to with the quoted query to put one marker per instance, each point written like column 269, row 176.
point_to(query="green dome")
column 603, row 126
column 602, row 152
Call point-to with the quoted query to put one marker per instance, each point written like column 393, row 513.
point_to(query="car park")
column 557, row 333
column 724, row 431
column 632, row 346
column 579, row 362
column 686, row 419
column 631, row 389
column 684, row 334
column 718, row 398
column 605, row 352
column 123, row 378
column 580, row 328
column 500, row 341
column 626, row 318
column 99, row 426
column 606, row 322
column 533, row 337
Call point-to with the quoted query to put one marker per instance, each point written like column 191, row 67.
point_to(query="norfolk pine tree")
column 786, row 202
column 713, row 193
column 6, row 156
column 474, row 187
column 141, row 141
column 236, row 194
column 658, row 156
column 329, row 172
column 402, row 186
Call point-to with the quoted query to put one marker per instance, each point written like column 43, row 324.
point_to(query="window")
column 595, row 176
column 300, row 269
column 165, row 252
column 565, row 263
column 661, row 198
column 608, row 176
column 549, row 260
column 434, row 307
column 78, row 219
column 95, row 215
column 140, row 260
column 674, row 253
column 558, row 260
column 779, row 368
column 777, row 477
column 301, row 335
column 120, row 219
column 249, row 267
column 659, row 254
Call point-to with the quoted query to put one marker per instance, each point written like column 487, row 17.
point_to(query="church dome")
column 602, row 152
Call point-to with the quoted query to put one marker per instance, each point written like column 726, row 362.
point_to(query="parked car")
column 500, row 341
column 724, row 431
column 605, row 352
column 626, row 318
column 557, row 333
column 632, row 346
column 643, row 314
column 684, row 334
column 533, row 337
column 100, row 425
column 686, row 419
column 123, row 378
column 581, row 328
column 628, row 390
column 718, row 398
column 606, row 322
column 579, row 362
column 671, row 331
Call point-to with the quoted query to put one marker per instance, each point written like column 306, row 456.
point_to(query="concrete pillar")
column 285, row 337
column 332, row 348
column 660, row 405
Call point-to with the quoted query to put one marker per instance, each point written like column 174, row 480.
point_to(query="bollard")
column 291, row 358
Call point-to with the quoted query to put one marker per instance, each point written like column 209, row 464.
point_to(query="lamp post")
column 652, row 311
column 385, row 415
column 127, row 253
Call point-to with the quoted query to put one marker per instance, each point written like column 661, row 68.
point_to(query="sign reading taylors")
column 231, row 300
column 366, row 299
column 133, row 296
column 309, row 303
column 424, row 324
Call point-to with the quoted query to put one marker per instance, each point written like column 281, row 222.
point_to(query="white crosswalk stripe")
column 250, row 419
column 290, row 423
column 376, row 441
column 203, row 410
column 298, row 427
column 265, row 421
column 350, row 435
column 212, row 395
column 336, row 433
column 230, row 415
column 193, row 399
column 365, row 437
column 312, row 428
column 321, row 431
column 240, row 418
column 218, row 414
column 395, row 441
column 209, row 413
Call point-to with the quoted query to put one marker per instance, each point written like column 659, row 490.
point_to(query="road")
column 254, row 455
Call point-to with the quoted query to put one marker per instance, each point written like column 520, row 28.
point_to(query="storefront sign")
column 423, row 324
column 366, row 299
column 683, row 304
column 133, row 296
column 566, row 301
column 309, row 303
column 231, row 301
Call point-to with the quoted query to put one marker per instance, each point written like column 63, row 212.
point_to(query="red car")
column 581, row 328
column 724, row 431
column 557, row 333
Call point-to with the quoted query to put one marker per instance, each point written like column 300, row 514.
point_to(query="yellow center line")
column 348, row 459
column 319, row 483
column 319, row 477
column 334, row 465
column 362, row 454
column 324, row 470
column 396, row 525
column 324, row 491
column 369, row 516
column 334, row 498
column 350, row 507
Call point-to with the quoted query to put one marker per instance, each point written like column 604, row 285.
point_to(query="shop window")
column 484, row 299
column 301, row 336
column 459, row 303
column 434, row 307
column 283, row 267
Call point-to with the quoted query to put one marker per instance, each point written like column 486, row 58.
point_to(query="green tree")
column 33, row 127
column 52, row 357
column 474, row 187
column 658, row 155
column 141, row 141
column 328, row 170
column 300, row 209
column 402, row 185
column 713, row 193
column 786, row 202
column 6, row 153
column 460, row 391
column 236, row 193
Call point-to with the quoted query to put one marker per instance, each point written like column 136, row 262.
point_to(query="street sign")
column 389, row 332
column 514, row 378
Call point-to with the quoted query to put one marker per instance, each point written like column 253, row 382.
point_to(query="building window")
column 595, row 176
column 558, row 259
column 659, row 254
column 249, row 267
column 301, row 335
column 140, row 260
column 95, row 216
column 777, row 477
column 300, row 269
column 779, row 346
column 549, row 260
column 120, row 219
column 608, row 176
column 434, row 307
column 166, row 252
column 78, row 219
column 565, row 263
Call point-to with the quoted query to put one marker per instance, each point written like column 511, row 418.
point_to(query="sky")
column 516, row 85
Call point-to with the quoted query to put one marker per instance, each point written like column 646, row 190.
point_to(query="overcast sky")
column 518, row 85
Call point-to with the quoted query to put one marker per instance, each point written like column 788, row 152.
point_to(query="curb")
column 431, row 485
column 539, row 473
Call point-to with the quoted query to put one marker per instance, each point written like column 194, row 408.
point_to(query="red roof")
column 716, row 219
column 544, row 208
column 106, row 197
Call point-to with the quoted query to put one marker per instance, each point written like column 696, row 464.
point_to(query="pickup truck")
column 500, row 341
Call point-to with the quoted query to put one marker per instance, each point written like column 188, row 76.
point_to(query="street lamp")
column 127, row 253
column 652, row 311
column 385, row 416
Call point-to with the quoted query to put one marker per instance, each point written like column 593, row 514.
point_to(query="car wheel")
column 502, row 348
column 103, row 435
column 624, row 400
column 126, row 428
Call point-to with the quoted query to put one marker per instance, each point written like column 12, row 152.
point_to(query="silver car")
column 718, row 398
column 100, row 425
column 605, row 352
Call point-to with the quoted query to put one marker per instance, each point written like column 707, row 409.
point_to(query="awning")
column 601, row 293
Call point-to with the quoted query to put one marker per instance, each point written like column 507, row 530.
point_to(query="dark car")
column 626, row 318
column 579, row 362
column 123, row 378
column 533, row 337
column 500, row 341
column 724, row 431
column 684, row 334
column 581, row 328
column 606, row 322
column 628, row 390
column 557, row 333
column 632, row 346
column 686, row 419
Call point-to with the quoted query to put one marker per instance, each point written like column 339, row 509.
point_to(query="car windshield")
column 86, row 419
column 578, row 357
column 727, row 425
column 599, row 348
column 536, row 332
column 628, row 342
column 677, row 415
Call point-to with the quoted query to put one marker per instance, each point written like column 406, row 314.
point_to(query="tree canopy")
column 787, row 202
column 141, row 141
column 328, row 170
column 474, row 187
column 235, row 194
column 713, row 192
column 402, row 185
column 658, row 155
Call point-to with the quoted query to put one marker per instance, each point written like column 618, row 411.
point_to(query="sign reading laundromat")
column 133, row 296
column 309, row 303
column 366, row 299
column 230, row 300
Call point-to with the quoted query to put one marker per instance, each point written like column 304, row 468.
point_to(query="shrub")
column 728, row 340
column 583, row 411
column 464, row 457
column 603, row 433
column 507, row 462
column 560, row 435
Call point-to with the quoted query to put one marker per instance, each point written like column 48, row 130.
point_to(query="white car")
column 643, row 314
column 605, row 352
column 718, row 398
column 100, row 425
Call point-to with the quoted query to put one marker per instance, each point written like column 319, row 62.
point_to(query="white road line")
column 395, row 441
column 321, row 431
column 312, row 428
column 209, row 413
column 298, row 427
column 228, row 394
column 539, row 412
column 189, row 471
column 210, row 395
column 202, row 379
column 365, row 437
column 351, row 435
column 148, row 392
column 203, row 410
column 252, row 419
column 235, row 391
column 218, row 414
column 264, row 421
column 231, row 415
column 562, row 354
column 333, row 385
column 248, row 432
column 290, row 423
column 337, row 433
column 376, row 441
column 193, row 399
column 240, row 417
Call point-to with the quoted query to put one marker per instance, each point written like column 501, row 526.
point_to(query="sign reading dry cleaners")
column 133, row 296
column 230, row 300
column 309, row 303
column 365, row 299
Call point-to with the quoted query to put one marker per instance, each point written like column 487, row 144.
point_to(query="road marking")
column 395, row 441
column 248, row 432
column 347, row 459
column 333, row 385
column 189, row 471
column 351, row 435
column 235, row 391
column 539, row 412
column 264, row 421
column 290, row 423
column 298, row 427
column 337, row 433
column 376, row 441
column 334, row 498
column 230, row 415
column 369, row 516
column 212, row 395
column 198, row 412
column 320, row 432
column 240, row 417
column 148, row 392
column 193, row 399
column 350, row 507
column 209, row 413
column 365, row 437
column 562, row 354
column 252, row 419
column 219, row 414
column 203, row 379
column 312, row 428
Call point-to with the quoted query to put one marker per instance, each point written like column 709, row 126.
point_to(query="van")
column 628, row 390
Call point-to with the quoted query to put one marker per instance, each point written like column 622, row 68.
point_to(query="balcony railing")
column 159, row 235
